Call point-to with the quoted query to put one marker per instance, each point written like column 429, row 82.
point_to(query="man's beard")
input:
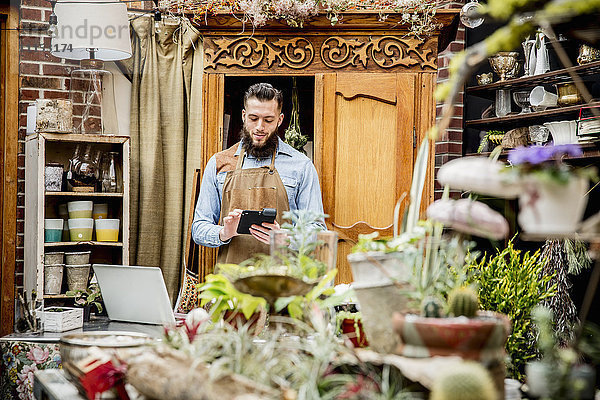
column 263, row 151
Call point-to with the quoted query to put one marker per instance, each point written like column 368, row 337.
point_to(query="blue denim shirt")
column 297, row 172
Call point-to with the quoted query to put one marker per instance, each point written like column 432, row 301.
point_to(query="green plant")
column 464, row 381
column 432, row 307
column 463, row 301
column 509, row 282
column 322, row 295
column 91, row 296
column 293, row 134
column 490, row 136
column 219, row 291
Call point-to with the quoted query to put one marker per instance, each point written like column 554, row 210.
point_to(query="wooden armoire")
column 373, row 104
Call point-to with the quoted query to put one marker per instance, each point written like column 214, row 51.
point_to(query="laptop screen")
column 134, row 294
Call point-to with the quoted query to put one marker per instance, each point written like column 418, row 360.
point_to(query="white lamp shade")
column 101, row 27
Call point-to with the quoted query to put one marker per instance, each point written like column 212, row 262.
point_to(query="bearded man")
column 260, row 171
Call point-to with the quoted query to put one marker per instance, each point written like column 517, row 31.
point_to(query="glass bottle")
column 502, row 102
column 111, row 173
column 85, row 172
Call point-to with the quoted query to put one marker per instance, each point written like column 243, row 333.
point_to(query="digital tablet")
column 251, row 217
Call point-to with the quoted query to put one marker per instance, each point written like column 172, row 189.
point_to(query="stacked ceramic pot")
column 81, row 226
column 53, row 272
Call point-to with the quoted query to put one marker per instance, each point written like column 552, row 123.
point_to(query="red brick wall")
column 47, row 77
column 449, row 144
column 42, row 76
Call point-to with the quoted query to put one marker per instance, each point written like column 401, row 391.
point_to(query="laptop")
column 134, row 294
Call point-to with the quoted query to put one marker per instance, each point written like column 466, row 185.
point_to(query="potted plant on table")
column 231, row 305
column 554, row 194
column 87, row 298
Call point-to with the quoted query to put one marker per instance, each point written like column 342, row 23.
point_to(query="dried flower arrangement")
column 417, row 15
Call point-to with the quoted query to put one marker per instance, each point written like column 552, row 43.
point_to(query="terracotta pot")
column 480, row 339
column 354, row 331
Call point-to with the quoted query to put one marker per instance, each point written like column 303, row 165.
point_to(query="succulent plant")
column 464, row 381
column 463, row 301
column 432, row 307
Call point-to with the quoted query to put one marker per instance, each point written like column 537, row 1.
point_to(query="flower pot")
column 479, row 339
column 353, row 330
column 379, row 297
column 378, row 268
column 56, row 257
column 547, row 207
column 77, row 276
column 78, row 257
column 80, row 229
column 53, row 230
column 53, row 277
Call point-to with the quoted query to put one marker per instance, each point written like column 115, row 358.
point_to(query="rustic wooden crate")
column 60, row 321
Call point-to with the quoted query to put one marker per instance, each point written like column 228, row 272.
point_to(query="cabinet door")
column 366, row 134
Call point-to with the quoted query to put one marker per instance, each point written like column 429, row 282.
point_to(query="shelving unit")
column 42, row 148
column 486, row 93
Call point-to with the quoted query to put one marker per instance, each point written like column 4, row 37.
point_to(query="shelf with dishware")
column 548, row 78
column 536, row 102
column 516, row 119
column 590, row 150
column 76, row 208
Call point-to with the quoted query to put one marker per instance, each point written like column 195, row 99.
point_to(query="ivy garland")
column 418, row 15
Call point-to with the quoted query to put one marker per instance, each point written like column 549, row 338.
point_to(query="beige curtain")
column 166, row 110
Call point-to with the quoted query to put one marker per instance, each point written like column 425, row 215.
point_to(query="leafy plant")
column 313, row 365
column 509, row 282
column 322, row 295
column 88, row 297
column 293, row 134
column 219, row 291
column 490, row 136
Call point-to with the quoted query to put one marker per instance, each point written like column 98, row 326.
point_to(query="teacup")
column 485, row 79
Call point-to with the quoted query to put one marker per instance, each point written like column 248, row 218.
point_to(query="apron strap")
column 272, row 166
column 240, row 160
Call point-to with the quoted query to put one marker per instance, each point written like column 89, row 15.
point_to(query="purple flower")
column 535, row 155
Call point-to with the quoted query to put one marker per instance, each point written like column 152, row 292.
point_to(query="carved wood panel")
column 319, row 53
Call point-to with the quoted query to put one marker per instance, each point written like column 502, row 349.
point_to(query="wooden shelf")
column 86, row 243
column 83, row 194
column 515, row 120
column 558, row 76
column 79, row 138
column 590, row 150
column 57, row 296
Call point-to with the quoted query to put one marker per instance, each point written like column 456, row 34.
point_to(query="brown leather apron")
column 250, row 189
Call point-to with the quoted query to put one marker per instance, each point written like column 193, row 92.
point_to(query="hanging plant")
column 293, row 135
column 418, row 15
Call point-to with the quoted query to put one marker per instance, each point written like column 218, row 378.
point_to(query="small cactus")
column 463, row 381
column 463, row 301
column 432, row 307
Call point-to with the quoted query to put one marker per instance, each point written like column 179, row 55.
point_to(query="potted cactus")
column 456, row 328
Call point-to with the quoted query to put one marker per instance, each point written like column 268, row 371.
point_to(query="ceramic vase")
column 547, row 207
column 563, row 132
